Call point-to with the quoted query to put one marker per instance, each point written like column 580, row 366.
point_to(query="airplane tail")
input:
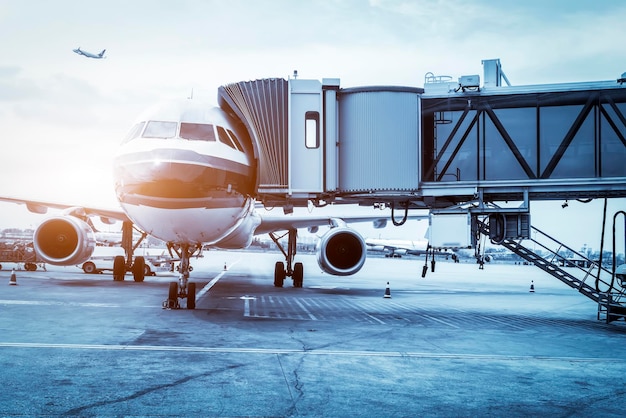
column 102, row 53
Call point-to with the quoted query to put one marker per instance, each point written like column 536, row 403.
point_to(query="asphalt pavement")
column 459, row 342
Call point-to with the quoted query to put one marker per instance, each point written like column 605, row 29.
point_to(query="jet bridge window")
column 197, row 131
column 312, row 129
column 159, row 129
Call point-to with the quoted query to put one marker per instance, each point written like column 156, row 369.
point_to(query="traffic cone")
column 13, row 279
column 225, row 266
column 387, row 292
column 532, row 287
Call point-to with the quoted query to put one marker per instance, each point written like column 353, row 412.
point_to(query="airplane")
column 397, row 248
column 185, row 174
column 89, row 54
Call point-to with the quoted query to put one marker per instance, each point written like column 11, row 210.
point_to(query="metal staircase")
column 609, row 293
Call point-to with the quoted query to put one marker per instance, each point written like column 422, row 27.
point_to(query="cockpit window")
column 224, row 138
column 134, row 132
column 235, row 140
column 159, row 129
column 197, row 131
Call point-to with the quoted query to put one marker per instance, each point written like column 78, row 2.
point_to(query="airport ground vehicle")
column 103, row 260
column 19, row 253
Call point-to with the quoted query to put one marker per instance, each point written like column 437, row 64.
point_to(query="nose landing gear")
column 183, row 289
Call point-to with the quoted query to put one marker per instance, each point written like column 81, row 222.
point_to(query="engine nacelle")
column 341, row 251
column 64, row 241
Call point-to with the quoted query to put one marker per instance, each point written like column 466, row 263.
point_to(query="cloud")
column 14, row 87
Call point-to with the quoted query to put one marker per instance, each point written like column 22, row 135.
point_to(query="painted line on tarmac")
column 311, row 316
column 246, row 305
column 374, row 318
column 81, row 304
column 278, row 351
column 212, row 283
column 441, row 321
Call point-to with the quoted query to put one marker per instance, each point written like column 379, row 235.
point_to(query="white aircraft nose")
column 179, row 175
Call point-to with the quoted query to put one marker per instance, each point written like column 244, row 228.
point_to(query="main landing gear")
column 280, row 272
column 182, row 289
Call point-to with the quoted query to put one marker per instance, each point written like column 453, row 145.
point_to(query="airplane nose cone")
column 178, row 174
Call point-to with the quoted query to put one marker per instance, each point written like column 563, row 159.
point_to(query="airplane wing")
column 41, row 207
column 281, row 223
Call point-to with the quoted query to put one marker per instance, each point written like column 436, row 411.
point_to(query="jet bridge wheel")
column 279, row 274
column 298, row 275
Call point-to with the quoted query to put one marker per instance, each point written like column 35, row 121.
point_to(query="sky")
column 63, row 115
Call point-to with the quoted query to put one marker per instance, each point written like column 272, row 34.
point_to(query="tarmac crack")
column 80, row 410
column 293, row 409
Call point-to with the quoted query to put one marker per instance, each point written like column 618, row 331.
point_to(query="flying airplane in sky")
column 185, row 174
column 89, row 54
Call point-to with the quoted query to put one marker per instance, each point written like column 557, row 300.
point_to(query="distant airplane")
column 397, row 248
column 185, row 174
column 89, row 54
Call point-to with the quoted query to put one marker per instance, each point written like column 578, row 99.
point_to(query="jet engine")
column 64, row 241
column 341, row 251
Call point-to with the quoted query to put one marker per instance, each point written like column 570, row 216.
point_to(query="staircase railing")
column 608, row 293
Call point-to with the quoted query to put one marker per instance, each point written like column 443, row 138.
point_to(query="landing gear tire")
column 191, row 296
column 279, row 274
column 139, row 269
column 119, row 268
column 298, row 275
column 182, row 288
column 172, row 297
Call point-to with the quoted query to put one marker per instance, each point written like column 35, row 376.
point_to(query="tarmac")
column 459, row 342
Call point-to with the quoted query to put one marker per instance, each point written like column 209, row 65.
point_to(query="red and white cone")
column 387, row 292
column 13, row 279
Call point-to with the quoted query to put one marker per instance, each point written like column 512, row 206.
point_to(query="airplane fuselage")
column 184, row 175
column 89, row 54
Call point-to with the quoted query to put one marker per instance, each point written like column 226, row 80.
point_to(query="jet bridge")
column 434, row 147
column 454, row 147
column 315, row 141
column 553, row 142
